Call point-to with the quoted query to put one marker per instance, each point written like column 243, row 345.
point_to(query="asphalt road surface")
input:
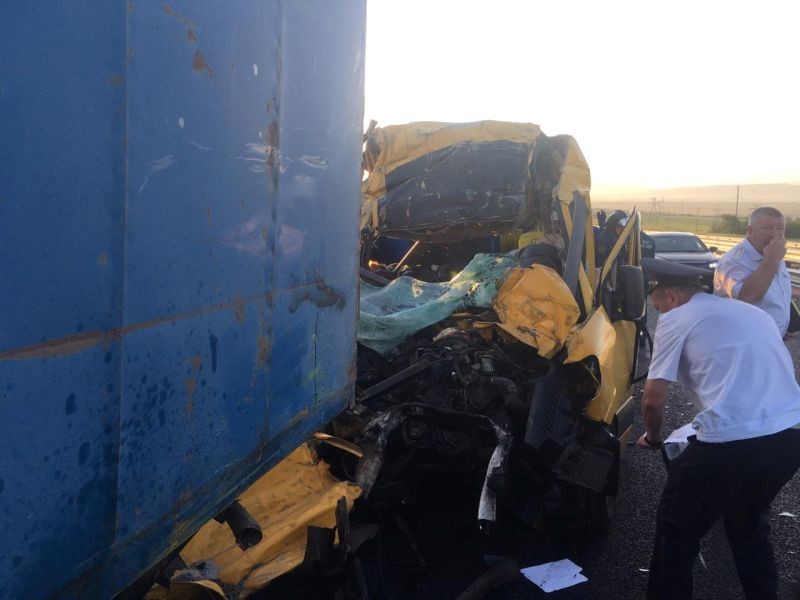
column 616, row 562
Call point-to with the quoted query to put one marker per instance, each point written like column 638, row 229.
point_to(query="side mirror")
column 712, row 248
column 627, row 301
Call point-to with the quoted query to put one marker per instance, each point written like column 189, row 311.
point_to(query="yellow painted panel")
column 536, row 307
column 612, row 345
column 298, row 492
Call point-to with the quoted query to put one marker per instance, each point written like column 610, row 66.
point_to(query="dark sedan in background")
column 684, row 248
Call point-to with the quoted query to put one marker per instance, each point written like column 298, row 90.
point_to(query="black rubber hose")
column 245, row 528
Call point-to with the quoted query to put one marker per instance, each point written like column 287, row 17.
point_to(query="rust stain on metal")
column 115, row 80
column 102, row 259
column 71, row 344
column 196, row 361
column 299, row 417
column 186, row 21
column 190, row 385
column 273, row 142
column 238, row 306
column 263, row 351
column 320, row 294
column 62, row 346
column 200, row 64
column 191, row 28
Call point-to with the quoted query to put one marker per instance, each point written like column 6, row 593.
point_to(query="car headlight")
column 713, row 265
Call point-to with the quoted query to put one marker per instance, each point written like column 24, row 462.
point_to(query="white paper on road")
column 786, row 514
column 554, row 575
column 678, row 440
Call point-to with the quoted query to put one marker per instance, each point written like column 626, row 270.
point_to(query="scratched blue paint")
column 179, row 192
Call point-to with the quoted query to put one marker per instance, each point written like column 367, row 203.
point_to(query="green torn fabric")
column 389, row 314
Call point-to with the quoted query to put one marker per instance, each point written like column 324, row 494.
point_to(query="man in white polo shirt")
column 754, row 271
column 739, row 375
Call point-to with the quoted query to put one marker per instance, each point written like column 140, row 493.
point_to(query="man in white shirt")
column 739, row 375
column 754, row 271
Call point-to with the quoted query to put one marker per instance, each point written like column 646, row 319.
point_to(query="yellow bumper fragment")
column 297, row 493
column 536, row 307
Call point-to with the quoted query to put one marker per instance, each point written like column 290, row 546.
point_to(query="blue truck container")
column 179, row 198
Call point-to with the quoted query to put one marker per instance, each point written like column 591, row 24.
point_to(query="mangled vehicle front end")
column 488, row 339
column 490, row 346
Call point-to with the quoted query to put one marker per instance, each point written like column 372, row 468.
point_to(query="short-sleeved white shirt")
column 737, row 264
column 734, row 365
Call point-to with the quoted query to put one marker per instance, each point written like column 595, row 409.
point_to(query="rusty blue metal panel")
column 179, row 191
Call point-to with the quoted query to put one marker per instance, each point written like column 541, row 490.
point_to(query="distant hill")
column 763, row 193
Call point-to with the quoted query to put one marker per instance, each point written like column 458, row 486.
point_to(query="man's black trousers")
column 736, row 481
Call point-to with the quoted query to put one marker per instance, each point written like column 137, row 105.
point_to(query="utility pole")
column 737, row 201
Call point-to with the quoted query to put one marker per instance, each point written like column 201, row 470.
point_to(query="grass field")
column 702, row 225
column 662, row 222
column 698, row 209
column 695, row 224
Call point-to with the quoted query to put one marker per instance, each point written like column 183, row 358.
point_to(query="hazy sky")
column 657, row 95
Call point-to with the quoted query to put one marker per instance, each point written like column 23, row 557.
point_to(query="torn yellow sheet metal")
column 393, row 146
column 536, row 307
column 575, row 174
column 611, row 344
column 576, row 177
column 399, row 144
column 296, row 493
